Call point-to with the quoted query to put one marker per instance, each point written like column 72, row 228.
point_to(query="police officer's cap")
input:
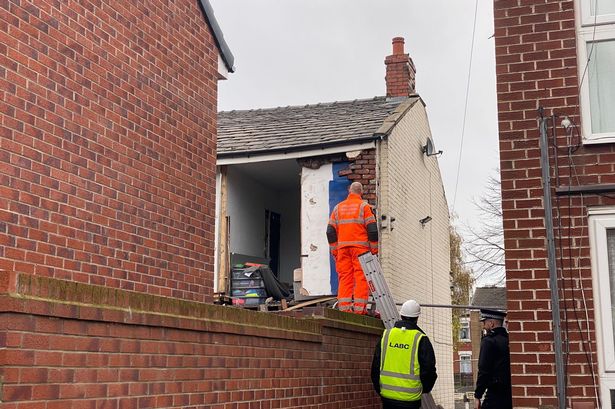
column 492, row 314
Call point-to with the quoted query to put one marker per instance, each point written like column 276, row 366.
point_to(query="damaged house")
column 282, row 170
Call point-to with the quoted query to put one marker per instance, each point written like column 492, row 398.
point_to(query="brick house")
column 282, row 170
column 558, row 56
column 107, row 143
column 107, row 198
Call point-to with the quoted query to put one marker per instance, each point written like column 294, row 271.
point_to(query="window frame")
column 598, row 225
column 600, row 219
column 587, row 19
column 591, row 29
column 464, row 323
column 463, row 357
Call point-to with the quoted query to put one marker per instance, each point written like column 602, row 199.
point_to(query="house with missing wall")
column 556, row 98
column 281, row 171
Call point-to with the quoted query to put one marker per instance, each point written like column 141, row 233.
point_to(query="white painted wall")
column 247, row 201
column 314, row 219
column 415, row 259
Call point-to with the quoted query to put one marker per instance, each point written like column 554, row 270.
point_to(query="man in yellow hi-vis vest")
column 404, row 364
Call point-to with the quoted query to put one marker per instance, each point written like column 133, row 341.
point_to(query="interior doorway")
column 272, row 240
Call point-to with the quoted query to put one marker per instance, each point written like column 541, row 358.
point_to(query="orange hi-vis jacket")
column 352, row 224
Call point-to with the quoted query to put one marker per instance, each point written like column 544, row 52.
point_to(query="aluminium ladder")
column 379, row 289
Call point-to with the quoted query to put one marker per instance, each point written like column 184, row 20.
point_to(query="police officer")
column 404, row 364
column 493, row 364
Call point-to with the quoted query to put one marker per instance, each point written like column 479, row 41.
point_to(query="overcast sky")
column 294, row 52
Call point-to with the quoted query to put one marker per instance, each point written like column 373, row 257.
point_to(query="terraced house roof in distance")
column 490, row 297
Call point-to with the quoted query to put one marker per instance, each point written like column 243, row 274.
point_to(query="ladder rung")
column 379, row 289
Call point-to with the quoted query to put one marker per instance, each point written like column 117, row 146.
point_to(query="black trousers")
column 498, row 400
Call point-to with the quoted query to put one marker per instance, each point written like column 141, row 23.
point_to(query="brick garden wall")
column 107, row 143
column 537, row 67
column 71, row 345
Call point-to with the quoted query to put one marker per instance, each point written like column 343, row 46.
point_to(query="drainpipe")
column 546, row 183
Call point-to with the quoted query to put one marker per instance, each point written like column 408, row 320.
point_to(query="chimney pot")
column 398, row 45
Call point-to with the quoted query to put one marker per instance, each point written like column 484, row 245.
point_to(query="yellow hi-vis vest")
column 399, row 365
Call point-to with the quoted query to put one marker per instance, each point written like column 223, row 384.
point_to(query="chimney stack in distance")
column 400, row 76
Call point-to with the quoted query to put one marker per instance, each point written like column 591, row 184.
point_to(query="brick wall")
column 537, row 67
column 107, row 143
column 155, row 352
column 363, row 169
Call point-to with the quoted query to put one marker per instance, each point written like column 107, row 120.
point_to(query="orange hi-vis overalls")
column 352, row 230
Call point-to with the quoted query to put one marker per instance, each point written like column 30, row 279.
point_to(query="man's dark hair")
column 411, row 319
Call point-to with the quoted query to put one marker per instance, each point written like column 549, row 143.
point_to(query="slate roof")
column 490, row 297
column 296, row 128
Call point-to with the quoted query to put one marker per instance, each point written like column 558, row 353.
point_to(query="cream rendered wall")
column 415, row 259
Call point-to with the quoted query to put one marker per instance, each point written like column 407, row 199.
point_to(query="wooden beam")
column 224, row 235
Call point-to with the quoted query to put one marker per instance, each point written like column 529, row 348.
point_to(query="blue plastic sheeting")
column 338, row 191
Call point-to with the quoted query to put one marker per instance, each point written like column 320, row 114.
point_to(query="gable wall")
column 107, row 144
column 415, row 259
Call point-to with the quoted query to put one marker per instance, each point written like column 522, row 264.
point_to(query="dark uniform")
column 427, row 364
column 494, row 370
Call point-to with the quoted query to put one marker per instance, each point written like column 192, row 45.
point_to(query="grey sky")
column 293, row 52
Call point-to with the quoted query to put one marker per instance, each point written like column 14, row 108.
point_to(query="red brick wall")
column 64, row 355
column 537, row 66
column 107, row 143
column 363, row 169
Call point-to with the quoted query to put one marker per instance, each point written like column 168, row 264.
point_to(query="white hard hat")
column 410, row 309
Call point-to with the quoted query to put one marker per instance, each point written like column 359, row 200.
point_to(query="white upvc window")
column 596, row 43
column 464, row 329
column 465, row 362
column 602, row 245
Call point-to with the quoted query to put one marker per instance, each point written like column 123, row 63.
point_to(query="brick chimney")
column 400, row 71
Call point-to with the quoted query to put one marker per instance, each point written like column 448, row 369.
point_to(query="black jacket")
column 494, row 370
column 427, row 362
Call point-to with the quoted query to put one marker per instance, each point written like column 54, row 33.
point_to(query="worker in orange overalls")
column 352, row 230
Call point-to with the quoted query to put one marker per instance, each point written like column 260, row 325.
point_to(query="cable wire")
column 582, row 287
column 465, row 108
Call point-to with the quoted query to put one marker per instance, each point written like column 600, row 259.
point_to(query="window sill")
column 603, row 138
